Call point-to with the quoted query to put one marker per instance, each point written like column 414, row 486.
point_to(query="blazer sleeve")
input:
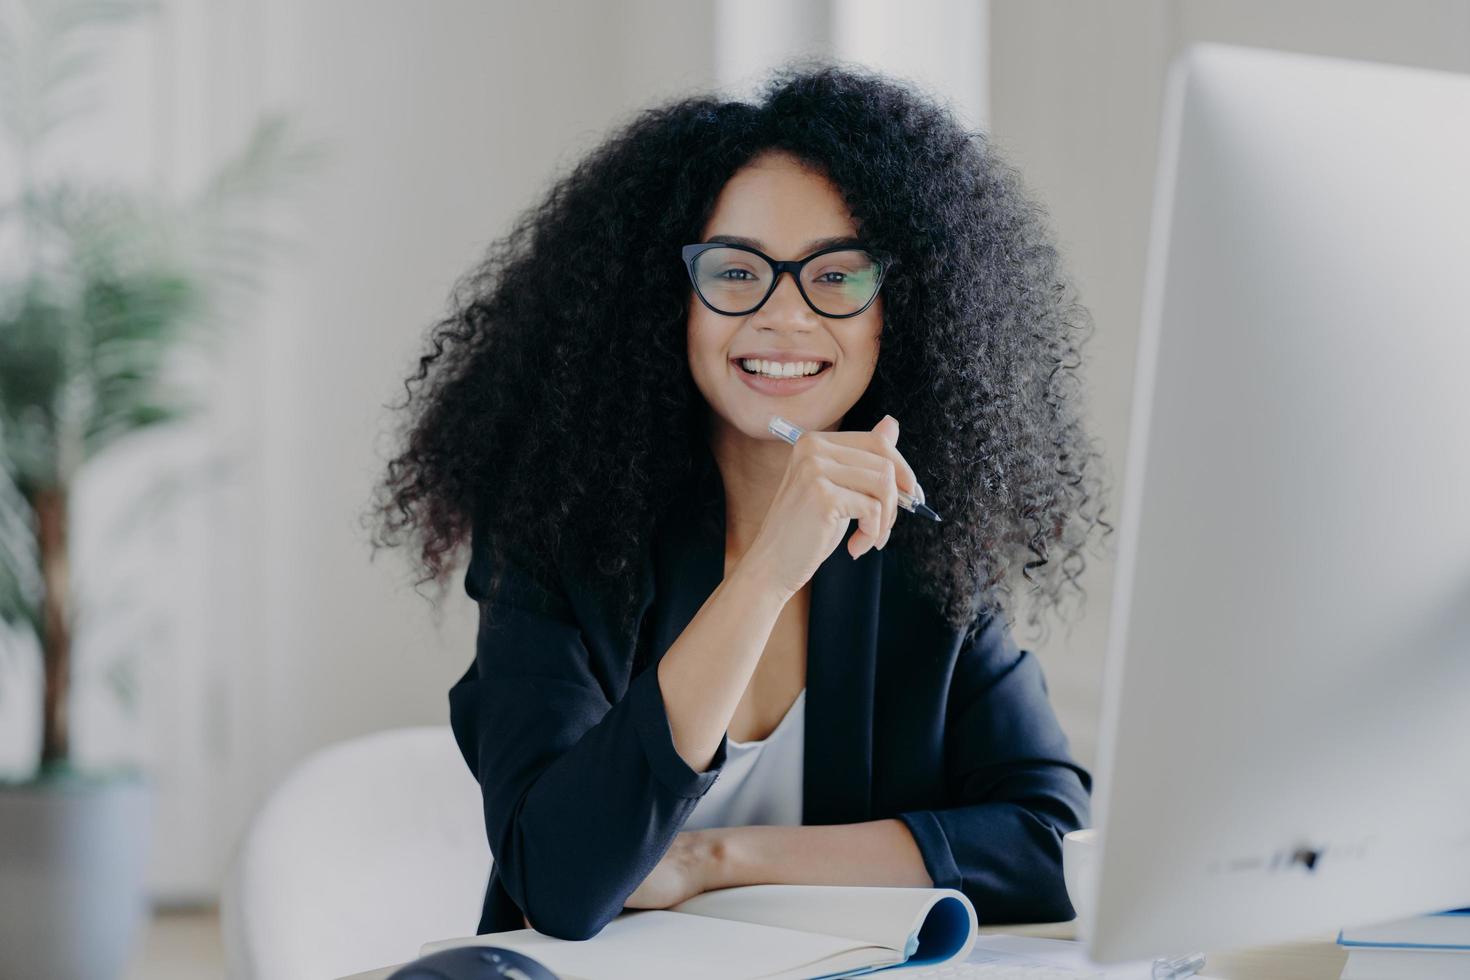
column 583, row 789
column 1015, row 786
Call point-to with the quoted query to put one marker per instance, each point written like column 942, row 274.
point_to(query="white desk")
column 1320, row 960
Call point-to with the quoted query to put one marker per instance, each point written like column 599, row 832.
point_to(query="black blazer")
column 584, row 791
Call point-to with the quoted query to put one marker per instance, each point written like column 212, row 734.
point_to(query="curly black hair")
column 556, row 415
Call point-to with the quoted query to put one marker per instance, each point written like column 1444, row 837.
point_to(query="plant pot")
column 73, row 854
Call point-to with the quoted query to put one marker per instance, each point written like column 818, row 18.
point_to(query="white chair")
column 368, row 849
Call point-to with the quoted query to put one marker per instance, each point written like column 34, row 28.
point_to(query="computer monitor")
column 1285, row 735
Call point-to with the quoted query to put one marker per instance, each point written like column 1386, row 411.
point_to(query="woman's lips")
column 780, row 386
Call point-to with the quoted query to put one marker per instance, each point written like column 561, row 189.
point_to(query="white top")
column 761, row 780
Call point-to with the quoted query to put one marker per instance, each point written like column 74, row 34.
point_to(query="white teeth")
column 776, row 369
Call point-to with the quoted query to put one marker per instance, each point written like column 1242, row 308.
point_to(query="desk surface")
column 1319, row 960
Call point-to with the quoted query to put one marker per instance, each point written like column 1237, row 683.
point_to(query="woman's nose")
column 786, row 299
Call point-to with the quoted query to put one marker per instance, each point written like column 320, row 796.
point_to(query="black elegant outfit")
column 563, row 724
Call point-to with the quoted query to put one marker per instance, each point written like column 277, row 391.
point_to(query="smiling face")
column 786, row 210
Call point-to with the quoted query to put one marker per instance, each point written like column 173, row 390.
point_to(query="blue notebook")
column 1448, row 930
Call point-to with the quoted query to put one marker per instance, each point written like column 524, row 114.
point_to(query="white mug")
column 1079, row 872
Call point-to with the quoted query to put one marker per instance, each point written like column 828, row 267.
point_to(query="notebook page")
column 893, row 917
column 656, row 944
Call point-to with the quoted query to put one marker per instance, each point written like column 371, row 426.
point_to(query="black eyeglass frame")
column 793, row 266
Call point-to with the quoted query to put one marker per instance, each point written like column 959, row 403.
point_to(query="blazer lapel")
column 842, row 642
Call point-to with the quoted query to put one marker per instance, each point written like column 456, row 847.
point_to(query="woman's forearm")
column 705, row 671
column 877, row 852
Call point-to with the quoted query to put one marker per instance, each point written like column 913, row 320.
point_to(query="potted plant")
column 102, row 289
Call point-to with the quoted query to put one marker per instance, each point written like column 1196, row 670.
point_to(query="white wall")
column 1076, row 92
column 937, row 46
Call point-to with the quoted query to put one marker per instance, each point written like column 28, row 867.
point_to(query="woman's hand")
column 831, row 478
column 686, row 870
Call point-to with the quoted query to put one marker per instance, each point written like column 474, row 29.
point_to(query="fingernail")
column 918, row 493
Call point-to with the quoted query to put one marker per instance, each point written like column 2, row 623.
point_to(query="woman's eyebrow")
column 811, row 246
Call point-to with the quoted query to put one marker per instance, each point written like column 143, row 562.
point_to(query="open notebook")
column 765, row 931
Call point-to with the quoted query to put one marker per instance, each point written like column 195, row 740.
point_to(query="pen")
column 1178, row 969
column 790, row 431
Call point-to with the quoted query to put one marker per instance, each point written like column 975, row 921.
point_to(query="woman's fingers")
column 868, row 494
column 881, row 464
column 864, row 449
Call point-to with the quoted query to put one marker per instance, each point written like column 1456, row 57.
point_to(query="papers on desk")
column 1058, row 954
column 779, row 932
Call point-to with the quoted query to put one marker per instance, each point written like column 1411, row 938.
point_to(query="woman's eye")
column 744, row 272
column 834, row 281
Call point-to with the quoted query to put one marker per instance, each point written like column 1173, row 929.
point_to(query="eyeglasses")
column 736, row 280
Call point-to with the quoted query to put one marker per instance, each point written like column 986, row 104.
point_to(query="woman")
column 681, row 683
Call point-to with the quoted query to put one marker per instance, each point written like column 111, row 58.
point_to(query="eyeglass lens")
column 839, row 283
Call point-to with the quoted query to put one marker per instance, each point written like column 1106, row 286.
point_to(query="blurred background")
column 240, row 626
